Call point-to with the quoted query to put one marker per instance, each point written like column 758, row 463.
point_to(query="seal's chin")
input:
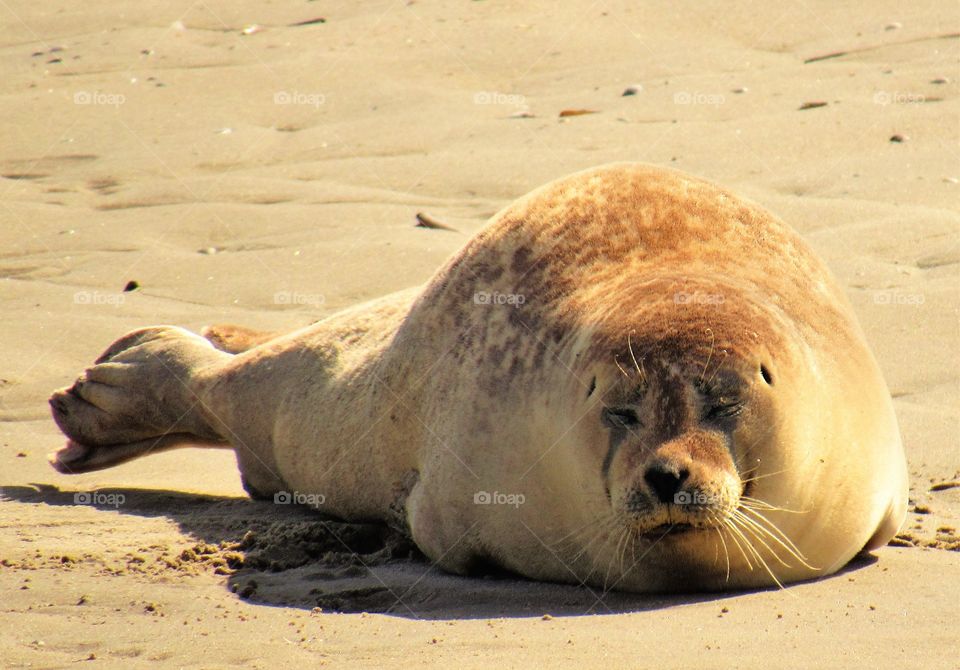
column 672, row 523
column 674, row 531
column 669, row 529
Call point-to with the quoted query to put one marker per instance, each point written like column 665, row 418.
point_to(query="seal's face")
column 671, row 464
column 680, row 442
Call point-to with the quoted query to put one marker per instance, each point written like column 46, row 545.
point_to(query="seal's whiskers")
column 726, row 552
column 772, row 531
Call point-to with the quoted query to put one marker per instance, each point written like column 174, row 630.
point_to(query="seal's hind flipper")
column 235, row 339
column 143, row 395
column 76, row 458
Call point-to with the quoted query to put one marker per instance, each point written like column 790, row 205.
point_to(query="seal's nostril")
column 664, row 482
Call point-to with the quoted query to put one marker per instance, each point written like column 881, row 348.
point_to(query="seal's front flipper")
column 235, row 339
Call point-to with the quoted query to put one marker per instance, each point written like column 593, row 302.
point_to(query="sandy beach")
column 263, row 164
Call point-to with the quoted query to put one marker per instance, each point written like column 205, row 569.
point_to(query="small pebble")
column 546, row 617
column 631, row 90
column 132, row 285
column 308, row 22
column 252, row 30
column 742, row 89
column 940, row 80
column 898, row 138
column 893, row 26
column 426, row 221
column 576, row 112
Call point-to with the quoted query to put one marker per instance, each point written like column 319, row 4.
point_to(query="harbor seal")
column 630, row 378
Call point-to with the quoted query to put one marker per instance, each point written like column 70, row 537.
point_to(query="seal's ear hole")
column 593, row 387
column 766, row 375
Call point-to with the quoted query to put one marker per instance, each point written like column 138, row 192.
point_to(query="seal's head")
column 715, row 462
column 682, row 414
column 670, row 466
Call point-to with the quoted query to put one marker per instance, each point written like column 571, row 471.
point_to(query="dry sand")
column 271, row 178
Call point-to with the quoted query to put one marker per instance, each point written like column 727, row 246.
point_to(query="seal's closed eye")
column 724, row 408
column 620, row 417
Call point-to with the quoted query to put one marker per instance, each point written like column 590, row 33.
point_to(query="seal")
column 630, row 378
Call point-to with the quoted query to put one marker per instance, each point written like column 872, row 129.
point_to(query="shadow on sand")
column 287, row 555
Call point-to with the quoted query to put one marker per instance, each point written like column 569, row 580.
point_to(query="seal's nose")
column 664, row 481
